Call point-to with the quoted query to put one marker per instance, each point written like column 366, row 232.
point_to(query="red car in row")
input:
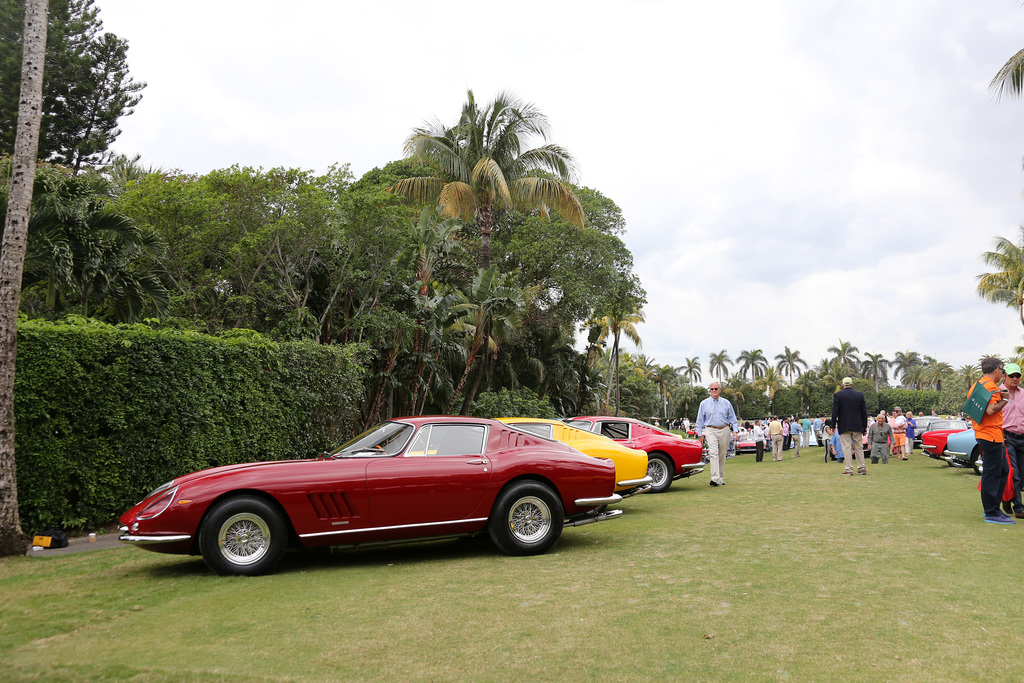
column 933, row 442
column 405, row 479
column 669, row 456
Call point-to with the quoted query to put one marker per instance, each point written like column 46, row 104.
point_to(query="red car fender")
column 572, row 474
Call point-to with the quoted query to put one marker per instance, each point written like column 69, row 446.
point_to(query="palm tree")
column 770, row 384
column 914, row 377
column 754, row 361
column 1006, row 285
column 1010, row 79
column 718, row 364
column 805, row 384
column 12, row 259
column 432, row 241
column 831, row 372
column 903, row 362
column 481, row 166
column 616, row 321
column 876, row 367
column 691, row 370
column 936, row 372
column 667, row 378
column 733, row 387
column 846, row 354
column 686, row 393
column 790, row 362
column 968, row 374
column 488, row 313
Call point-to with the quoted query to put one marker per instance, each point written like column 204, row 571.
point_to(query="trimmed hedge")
column 106, row 413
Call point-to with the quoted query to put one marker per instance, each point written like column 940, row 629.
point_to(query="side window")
column 540, row 429
column 615, row 430
column 419, row 446
column 448, row 439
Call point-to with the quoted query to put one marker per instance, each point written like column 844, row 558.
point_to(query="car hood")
column 240, row 467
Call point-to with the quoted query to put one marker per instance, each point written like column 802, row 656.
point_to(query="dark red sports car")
column 669, row 456
column 410, row 478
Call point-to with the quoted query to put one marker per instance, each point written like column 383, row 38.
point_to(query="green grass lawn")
column 790, row 572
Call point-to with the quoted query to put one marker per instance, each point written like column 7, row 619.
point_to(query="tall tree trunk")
column 472, row 388
column 485, row 224
column 12, row 261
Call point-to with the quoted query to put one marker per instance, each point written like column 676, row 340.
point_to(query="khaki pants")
column 852, row 445
column 777, row 447
column 718, row 447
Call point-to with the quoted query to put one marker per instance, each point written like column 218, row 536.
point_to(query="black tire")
column 243, row 536
column 660, row 469
column 527, row 519
column 975, row 456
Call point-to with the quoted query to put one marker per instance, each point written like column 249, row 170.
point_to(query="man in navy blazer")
column 850, row 415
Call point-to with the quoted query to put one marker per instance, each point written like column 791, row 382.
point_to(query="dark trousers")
column 785, row 441
column 759, row 451
column 1015, row 447
column 993, row 475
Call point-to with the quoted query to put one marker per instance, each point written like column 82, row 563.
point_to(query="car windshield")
column 947, row 424
column 585, row 425
column 387, row 438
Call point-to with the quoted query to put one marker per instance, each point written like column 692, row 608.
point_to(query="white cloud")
column 791, row 172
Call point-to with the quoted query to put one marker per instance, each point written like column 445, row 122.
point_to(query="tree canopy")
column 87, row 88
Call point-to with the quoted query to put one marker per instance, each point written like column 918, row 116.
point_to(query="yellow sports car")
column 630, row 464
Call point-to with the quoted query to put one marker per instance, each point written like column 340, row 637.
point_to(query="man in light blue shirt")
column 714, row 419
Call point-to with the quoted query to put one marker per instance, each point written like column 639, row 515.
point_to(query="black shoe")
column 1008, row 507
column 714, row 483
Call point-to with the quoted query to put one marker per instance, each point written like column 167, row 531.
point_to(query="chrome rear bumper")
column 594, row 502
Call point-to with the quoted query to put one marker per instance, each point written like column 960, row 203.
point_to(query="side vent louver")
column 332, row 506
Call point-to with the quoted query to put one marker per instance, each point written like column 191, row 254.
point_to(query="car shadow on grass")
column 368, row 556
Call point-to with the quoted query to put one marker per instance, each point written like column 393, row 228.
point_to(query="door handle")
column 477, row 461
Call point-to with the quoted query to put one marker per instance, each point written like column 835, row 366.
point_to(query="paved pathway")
column 79, row 545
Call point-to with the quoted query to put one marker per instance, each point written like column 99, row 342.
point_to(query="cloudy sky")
column 792, row 172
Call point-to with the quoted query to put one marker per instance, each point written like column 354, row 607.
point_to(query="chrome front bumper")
column 630, row 483
column 141, row 539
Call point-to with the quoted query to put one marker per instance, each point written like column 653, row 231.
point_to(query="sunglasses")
column 1016, row 374
column 717, row 389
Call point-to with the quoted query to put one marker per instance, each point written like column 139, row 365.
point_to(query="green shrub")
column 512, row 403
column 105, row 413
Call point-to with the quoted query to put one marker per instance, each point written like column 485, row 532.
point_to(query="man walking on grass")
column 850, row 416
column 989, row 433
column 714, row 417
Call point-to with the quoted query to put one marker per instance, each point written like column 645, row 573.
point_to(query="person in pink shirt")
column 1013, row 434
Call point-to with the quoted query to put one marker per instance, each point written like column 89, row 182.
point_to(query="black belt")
column 1019, row 436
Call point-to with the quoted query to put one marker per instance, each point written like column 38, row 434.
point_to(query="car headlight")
column 159, row 504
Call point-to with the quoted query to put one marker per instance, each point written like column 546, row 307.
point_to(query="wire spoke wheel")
column 244, row 538
column 529, row 519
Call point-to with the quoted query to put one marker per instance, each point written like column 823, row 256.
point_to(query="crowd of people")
column 995, row 407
